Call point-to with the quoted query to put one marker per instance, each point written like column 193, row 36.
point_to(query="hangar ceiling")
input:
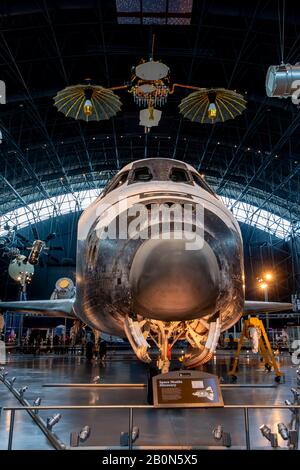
column 46, row 46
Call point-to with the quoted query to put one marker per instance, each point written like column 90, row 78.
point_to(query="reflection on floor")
column 157, row 427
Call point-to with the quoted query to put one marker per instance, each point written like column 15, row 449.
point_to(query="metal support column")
column 11, row 429
column 130, row 428
column 247, row 432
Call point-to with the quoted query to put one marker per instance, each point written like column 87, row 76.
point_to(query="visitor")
column 102, row 350
column 55, row 344
column 89, row 351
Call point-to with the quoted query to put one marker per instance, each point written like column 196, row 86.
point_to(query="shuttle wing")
column 64, row 307
column 253, row 306
column 49, row 308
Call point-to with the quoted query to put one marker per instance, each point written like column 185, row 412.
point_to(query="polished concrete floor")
column 182, row 427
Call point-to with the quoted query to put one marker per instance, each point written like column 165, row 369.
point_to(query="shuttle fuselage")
column 159, row 279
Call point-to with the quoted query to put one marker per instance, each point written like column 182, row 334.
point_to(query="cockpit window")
column 178, row 175
column 118, row 181
column 122, row 178
column 200, row 182
column 141, row 175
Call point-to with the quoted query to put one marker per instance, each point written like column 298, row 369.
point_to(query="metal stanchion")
column 57, row 444
column 32, row 411
column 297, row 428
column 130, row 428
column 11, row 429
column 247, row 433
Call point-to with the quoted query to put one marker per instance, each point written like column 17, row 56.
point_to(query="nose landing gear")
column 202, row 337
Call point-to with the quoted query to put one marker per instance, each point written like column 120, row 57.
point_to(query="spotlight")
column 37, row 401
column 84, row 434
column 53, row 420
column 296, row 395
column 4, row 374
column 218, row 432
column 22, row 391
column 280, row 80
column 96, row 379
column 135, row 433
column 288, row 403
column 12, row 380
column 283, row 431
column 266, row 431
column 124, row 436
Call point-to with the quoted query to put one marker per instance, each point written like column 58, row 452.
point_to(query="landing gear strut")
column 201, row 335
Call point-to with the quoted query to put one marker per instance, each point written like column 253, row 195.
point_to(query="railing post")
column 130, row 428
column 11, row 429
column 247, row 431
column 297, row 428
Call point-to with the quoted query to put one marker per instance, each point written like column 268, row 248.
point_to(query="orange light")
column 263, row 285
column 88, row 108
column 268, row 276
column 212, row 111
column 64, row 283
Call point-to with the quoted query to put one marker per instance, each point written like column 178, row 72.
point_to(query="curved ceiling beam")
column 76, row 201
column 254, row 197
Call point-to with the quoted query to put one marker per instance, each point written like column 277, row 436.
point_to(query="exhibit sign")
column 186, row 389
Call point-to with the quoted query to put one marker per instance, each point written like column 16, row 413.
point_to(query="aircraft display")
column 159, row 259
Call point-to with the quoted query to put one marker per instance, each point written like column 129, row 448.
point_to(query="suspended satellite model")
column 150, row 87
column 20, row 269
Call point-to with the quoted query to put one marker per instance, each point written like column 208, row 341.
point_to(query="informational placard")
column 186, row 389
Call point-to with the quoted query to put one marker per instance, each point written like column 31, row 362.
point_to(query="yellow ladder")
column 264, row 348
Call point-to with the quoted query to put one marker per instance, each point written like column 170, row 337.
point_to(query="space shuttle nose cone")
column 170, row 283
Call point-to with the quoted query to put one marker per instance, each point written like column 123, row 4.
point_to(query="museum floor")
column 188, row 427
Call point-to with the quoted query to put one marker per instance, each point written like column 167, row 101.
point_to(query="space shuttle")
column 159, row 259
